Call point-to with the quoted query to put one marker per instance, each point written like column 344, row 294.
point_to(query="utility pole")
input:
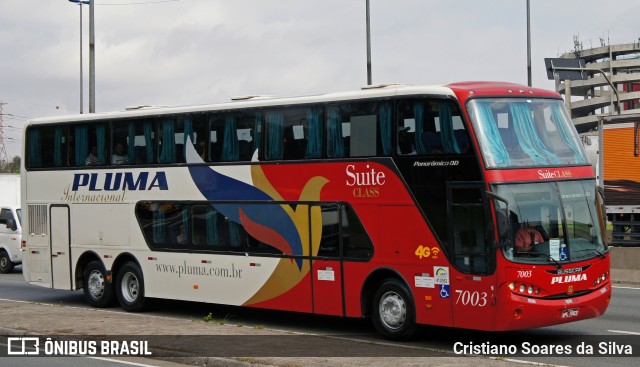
column 4, row 160
column 80, row 3
column 92, row 60
column 529, row 43
column 369, row 81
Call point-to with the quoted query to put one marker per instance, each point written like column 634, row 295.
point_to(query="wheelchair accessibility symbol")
column 563, row 253
column 444, row 291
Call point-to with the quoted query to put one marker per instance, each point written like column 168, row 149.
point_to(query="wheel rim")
column 130, row 287
column 4, row 262
column 392, row 310
column 96, row 284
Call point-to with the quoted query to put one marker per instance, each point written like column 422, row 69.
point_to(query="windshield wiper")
column 549, row 257
column 600, row 253
column 593, row 249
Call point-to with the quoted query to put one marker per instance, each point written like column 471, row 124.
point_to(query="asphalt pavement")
column 203, row 343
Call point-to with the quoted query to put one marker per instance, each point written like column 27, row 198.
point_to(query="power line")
column 17, row 116
column 4, row 160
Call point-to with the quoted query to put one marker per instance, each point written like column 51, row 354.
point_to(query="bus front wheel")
column 98, row 292
column 130, row 287
column 393, row 310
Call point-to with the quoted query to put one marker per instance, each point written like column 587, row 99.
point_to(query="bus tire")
column 393, row 310
column 130, row 287
column 98, row 291
column 6, row 265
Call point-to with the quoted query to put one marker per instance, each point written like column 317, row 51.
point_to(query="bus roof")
column 462, row 90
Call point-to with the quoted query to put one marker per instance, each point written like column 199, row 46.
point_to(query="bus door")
column 326, row 265
column 60, row 247
column 472, row 289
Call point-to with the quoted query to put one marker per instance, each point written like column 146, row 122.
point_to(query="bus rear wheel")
column 98, row 291
column 393, row 310
column 130, row 287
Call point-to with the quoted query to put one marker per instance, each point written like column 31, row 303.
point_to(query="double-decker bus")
column 469, row 205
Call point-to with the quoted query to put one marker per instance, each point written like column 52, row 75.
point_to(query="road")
column 620, row 323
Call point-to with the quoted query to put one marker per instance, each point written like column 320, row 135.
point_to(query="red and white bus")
column 469, row 205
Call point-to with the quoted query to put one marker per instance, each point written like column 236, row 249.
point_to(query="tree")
column 11, row 167
column 15, row 164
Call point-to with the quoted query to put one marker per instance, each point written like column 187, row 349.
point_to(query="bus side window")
column 330, row 240
column 229, row 138
column 89, row 145
column 427, row 126
column 205, row 223
column 193, row 131
column 341, row 228
column 293, row 133
column 360, row 129
column 47, row 147
column 173, row 136
column 355, row 240
column 121, row 149
column 167, row 152
column 136, row 138
column 215, row 141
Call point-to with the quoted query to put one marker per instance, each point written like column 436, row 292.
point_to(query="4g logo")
column 427, row 252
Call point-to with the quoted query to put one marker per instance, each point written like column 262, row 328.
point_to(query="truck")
column 10, row 222
column 614, row 151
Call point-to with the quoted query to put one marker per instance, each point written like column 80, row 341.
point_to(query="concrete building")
column 614, row 151
column 586, row 99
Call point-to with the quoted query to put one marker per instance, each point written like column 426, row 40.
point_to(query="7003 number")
column 475, row 298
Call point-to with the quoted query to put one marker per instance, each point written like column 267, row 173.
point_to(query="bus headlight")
column 524, row 288
column 600, row 279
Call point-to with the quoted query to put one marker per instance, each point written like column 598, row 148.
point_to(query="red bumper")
column 518, row 312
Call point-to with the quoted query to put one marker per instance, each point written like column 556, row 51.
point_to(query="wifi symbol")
column 435, row 251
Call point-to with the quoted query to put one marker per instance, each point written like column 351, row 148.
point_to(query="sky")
column 191, row 52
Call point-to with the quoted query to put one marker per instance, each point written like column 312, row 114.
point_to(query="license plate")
column 569, row 312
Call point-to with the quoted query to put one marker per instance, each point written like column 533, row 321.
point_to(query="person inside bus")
column 92, row 158
column 526, row 237
column 119, row 156
column 200, row 149
column 181, row 238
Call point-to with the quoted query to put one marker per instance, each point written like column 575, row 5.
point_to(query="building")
column 614, row 150
column 586, row 99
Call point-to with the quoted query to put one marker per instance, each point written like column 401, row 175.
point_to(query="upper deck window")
column 515, row 132
column 359, row 129
column 430, row 126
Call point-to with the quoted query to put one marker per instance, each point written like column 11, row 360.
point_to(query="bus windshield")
column 516, row 132
column 549, row 222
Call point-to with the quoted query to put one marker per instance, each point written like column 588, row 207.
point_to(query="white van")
column 10, row 238
column 10, row 222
